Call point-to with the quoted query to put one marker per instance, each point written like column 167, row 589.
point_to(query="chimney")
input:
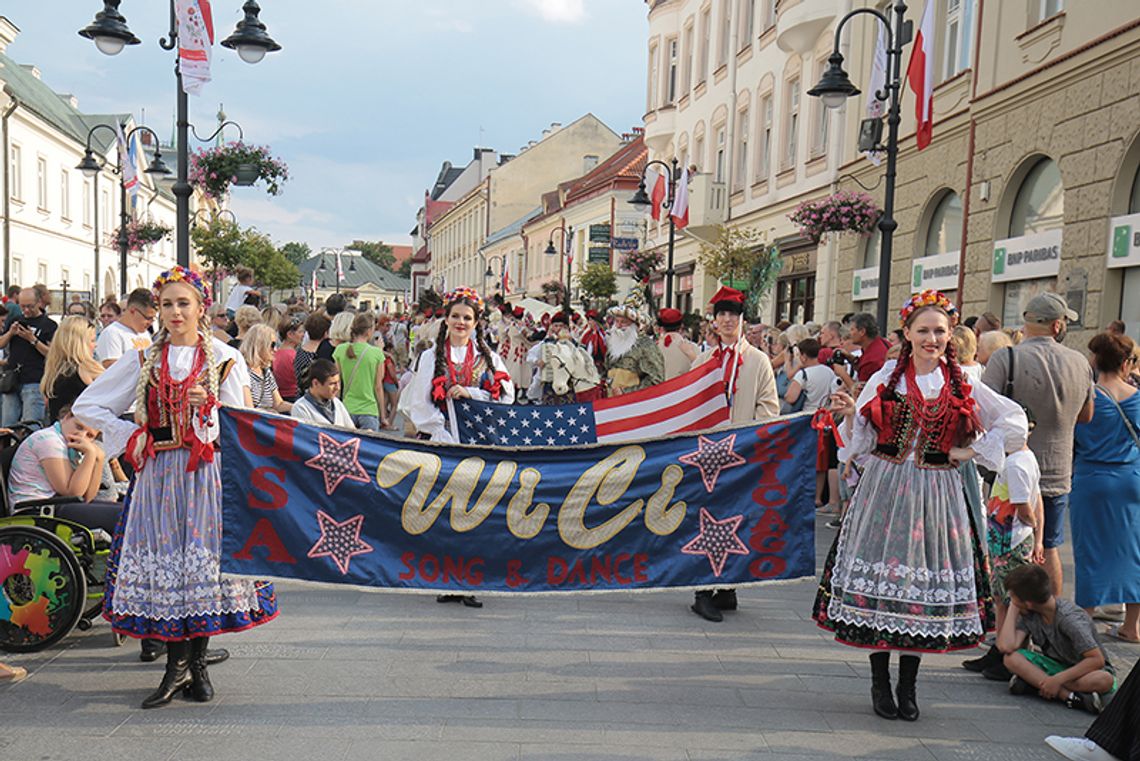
column 70, row 100
column 35, row 72
column 8, row 33
column 545, row 134
column 555, row 126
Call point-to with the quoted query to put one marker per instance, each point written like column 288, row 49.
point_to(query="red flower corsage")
column 438, row 388
column 494, row 384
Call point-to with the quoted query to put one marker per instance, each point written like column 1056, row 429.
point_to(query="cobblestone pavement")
column 352, row 675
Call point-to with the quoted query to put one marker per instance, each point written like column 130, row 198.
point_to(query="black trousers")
column 1117, row 730
column 102, row 515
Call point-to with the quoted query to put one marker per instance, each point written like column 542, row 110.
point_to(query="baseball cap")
column 1047, row 307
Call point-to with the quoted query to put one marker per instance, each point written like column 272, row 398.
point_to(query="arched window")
column 1040, row 202
column 944, row 234
column 1134, row 198
column 872, row 248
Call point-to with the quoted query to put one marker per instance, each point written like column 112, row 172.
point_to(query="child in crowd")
column 1015, row 526
column 1071, row 666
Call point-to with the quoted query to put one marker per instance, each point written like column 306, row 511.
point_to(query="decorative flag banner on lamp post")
column 920, row 75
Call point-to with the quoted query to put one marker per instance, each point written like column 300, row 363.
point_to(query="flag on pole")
column 694, row 401
column 920, row 75
column 127, row 159
column 570, row 247
column 657, row 196
column 506, row 280
column 313, row 285
column 878, row 84
column 339, row 268
column 680, row 211
column 195, row 41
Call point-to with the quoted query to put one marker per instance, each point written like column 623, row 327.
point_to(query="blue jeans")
column 366, row 422
column 25, row 404
column 1055, row 508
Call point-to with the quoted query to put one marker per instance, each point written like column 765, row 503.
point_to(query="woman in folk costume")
column 751, row 389
column 163, row 576
column 460, row 366
column 907, row 571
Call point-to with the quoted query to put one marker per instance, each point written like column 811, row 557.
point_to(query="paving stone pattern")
column 346, row 675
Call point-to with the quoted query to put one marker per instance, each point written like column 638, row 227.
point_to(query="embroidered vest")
column 167, row 428
column 895, row 418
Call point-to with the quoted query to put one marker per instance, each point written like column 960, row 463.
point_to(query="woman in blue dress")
column 1106, row 482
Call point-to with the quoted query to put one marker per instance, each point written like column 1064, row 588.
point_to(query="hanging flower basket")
column 843, row 212
column 641, row 264
column 215, row 169
column 143, row 233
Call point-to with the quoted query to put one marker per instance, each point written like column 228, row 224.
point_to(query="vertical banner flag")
column 195, row 40
column 680, row 211
column 878, row 84
column 570, row 249
column 313, row 287
column 130, row 168
column 657, row 196
column 920, row 75
column 725, row 508
column 339, row 268
column 506, row 284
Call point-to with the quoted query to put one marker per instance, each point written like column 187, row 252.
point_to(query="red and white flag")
column 339, row 268
column 920, row 75
column 694, row 401
column 127, row 159
column 657, row 196
column 680, row 211
column 506, row 283
column 195, row 41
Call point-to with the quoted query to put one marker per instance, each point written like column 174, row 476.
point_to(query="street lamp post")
column 567, row 236
column 502, row 259
column 643, row 201
column 110, row 34
column 835, row 87
column 91, row 167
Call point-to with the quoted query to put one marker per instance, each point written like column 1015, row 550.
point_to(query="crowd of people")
column 946, row 452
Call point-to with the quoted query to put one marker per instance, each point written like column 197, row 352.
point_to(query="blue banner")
column 726, row 508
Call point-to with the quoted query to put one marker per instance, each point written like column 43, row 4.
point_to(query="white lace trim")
column 178, row 584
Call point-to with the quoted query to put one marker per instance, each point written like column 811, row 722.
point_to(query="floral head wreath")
column 929, row 298
column 180, row 274
column 464, row 294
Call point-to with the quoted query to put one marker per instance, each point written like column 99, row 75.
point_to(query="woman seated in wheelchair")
column 63, row 460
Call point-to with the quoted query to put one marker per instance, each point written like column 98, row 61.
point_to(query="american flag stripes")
column 694, row 401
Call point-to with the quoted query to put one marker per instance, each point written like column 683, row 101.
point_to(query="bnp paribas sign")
column 1027, row 257
column 1124, row 241
column 939, row 272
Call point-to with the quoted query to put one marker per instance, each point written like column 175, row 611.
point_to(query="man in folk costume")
column 565, row 367
column 679, row 352
column 752, row 398
column 633, row 361
column 594, row 342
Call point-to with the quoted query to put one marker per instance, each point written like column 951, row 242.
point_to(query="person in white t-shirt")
column 237, row 295
column 129, row 332
column 813, row 380
column 1015, row 527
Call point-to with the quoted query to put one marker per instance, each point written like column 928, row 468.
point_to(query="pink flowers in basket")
column 843, row 212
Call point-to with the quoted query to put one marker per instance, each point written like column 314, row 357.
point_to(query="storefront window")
column 1040, row 202
column 945, row 232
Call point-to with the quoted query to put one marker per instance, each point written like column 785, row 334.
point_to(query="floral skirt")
column 163, row 574
column 907, row 570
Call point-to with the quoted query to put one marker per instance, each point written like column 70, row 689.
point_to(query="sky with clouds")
column 367, row 97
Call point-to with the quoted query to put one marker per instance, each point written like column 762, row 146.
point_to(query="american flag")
column 694, row 401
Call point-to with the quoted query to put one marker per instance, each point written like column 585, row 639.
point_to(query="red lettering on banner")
column 278, row 497
column 556, row 569
column 409, row 561
column 600, row 567
column 639, row 574
column 617, row 564
column 445, row 570
column 282, row 447
column 767, row 567
column 264, row 535
column 514, row 574
column 768, row 532
column 773, row 446
column 560, row 572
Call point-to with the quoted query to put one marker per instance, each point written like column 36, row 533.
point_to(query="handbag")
column 1008, row 392
column 1124, row 417
column 9, row 379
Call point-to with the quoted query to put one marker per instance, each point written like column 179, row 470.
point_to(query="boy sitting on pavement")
column 1072, row 667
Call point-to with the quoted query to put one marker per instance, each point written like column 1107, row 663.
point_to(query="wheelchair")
column 51, row 569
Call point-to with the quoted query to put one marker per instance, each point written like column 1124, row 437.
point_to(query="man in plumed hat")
column 633, row 361
column 752, row 397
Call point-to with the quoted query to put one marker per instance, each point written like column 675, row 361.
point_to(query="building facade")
column 58, row 226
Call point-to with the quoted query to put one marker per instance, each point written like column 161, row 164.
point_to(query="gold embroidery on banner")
column 609, row 479
column 660, row 518
column 523, row 522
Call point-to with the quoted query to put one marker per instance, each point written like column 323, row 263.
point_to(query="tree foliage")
column 296, row 252
column 405, row 268
column 743, row 254
column 554, row 292
column 598, row 283
column 377, row 252
column 225, row 246
column 269, row 265
column 218, row 243
column 430, row 299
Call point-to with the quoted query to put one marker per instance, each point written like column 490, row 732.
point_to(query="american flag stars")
column 503, row 425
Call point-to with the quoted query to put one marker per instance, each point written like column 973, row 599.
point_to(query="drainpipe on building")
column 970, row 160
column 613, row 222
column 730, row 128
column 524, row 275
column 7, row 187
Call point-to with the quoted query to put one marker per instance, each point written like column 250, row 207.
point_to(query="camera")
column 838, row 356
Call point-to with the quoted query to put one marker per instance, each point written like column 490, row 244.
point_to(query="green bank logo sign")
column 1124, row 241
column 1027, row 257
column 939, row 272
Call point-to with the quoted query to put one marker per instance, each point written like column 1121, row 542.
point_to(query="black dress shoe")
column 704, row 607
column 998, row 673
column 216, row 656
column 724, row 599
column 152, row 650
column 991, row 658
column 468, row 600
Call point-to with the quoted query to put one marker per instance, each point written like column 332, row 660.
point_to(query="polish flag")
column 657, row 197
column 680, row 211
column 506, row 284
column 920, row 74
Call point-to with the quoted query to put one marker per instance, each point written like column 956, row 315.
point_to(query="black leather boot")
column 908, row 673
column 724, row 599
column 216, row 656
column 177, row 674
column 881, row 698
column 704, row 607
column 199, row 688
column 992, row 658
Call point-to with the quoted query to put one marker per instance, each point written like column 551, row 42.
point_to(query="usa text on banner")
column 694, row 401
column 333, row 506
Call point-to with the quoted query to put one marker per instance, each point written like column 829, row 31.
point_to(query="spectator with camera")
column 27, row 339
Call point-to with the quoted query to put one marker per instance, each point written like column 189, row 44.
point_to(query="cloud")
column 449, row 22
column 558, row 11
